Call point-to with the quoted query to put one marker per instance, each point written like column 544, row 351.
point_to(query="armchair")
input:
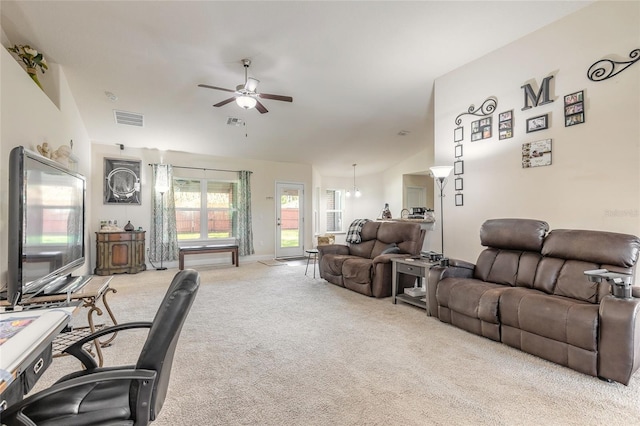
column 131, row 395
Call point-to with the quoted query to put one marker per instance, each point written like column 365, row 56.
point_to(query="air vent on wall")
column 232, row 121
column 129, row 118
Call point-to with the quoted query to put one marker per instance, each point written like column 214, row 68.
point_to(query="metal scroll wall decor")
column 487, row 108
column 607, row 68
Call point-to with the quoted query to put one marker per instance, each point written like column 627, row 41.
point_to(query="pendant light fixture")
column 356, row 191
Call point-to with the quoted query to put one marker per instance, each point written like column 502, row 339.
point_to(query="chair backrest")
column 159, row 348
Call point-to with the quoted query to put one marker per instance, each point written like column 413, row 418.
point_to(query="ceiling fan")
column 245, row 94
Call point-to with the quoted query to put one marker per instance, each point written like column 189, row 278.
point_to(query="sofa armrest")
column 457, row 263
column 619, row 341
column 333, row 249
column 386, row 258
column 457, row 268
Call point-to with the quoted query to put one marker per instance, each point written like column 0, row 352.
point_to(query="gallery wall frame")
column 505, row 125
column 458, row 134
column 458, row 167
column 481, row 129
column 458, row 151
column 536, row 154
column 574, row 109
column 458, row 184
column 459, row 200
column 540, row 122
column 122, row 181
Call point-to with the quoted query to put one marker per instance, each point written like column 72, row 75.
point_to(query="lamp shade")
column 246, row 102
column 441, row 171
column 162, row 178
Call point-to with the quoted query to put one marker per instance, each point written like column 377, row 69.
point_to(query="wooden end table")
column 418, row 268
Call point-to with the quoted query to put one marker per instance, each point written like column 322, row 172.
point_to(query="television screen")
column 46, row 224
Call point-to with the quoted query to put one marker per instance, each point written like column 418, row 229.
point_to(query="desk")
column 24, row 348
column 94, row 292
column 418, row 268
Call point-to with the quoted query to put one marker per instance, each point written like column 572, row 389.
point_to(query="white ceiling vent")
column 233, row 121
column 129, row 118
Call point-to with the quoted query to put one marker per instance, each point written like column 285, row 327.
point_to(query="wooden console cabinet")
column 119, row 252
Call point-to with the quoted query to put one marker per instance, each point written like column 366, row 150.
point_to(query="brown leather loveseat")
column 528, row 290
column 363, row 267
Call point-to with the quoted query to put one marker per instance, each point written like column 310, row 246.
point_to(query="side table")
column 310, row 253
column 415, row 267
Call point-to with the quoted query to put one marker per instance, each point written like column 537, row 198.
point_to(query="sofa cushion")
column 406, row 235
column 573, row 283
column 471, row 297
column 357, row 269
column 514, row 234
column 507, row 267
column 357, row 274
column 332, row 263
column 558, row 318
column 593, row 246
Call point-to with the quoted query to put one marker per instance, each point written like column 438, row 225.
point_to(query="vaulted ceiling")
column 359, row 73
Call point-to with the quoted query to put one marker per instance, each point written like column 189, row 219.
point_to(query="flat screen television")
column 46, row 226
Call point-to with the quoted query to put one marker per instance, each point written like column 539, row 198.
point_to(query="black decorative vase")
column 129, row 226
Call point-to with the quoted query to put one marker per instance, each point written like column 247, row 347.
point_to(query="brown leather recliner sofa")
column 363, row 267
column 528, row 290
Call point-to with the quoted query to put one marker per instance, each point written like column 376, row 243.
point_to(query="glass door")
column 289, row 220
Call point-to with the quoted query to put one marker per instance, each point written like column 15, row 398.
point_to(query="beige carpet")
column 271, row 346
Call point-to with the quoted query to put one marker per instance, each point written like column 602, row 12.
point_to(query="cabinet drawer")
column 120, row 236
column 403, row 268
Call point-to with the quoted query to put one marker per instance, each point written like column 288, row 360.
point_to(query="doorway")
column 289, row 220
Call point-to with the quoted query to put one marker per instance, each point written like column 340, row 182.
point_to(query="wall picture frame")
column 574, row 109
column 536, row 154
column 505, row 125
column 458, row 151
column 458, row 134
column 459, row 200
column 458, row 184
column 122, row 181
column 540, row 122
column 481, row 129
column 458, row 167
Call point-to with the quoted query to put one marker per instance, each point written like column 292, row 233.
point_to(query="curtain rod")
column 206, row 169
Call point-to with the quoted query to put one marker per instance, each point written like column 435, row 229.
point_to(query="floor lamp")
column 162, row 186
column 440, row 173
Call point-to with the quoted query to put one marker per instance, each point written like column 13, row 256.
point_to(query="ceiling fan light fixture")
column 246, row 102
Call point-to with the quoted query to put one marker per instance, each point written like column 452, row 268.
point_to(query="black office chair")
column 129, row 395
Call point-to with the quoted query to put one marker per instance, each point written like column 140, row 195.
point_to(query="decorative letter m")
column 535, row 99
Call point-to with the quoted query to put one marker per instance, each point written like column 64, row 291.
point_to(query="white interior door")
column 289, row 220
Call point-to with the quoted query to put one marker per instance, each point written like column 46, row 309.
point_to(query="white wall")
column 29, row 118
column 368, row 206
column 265, row 174
column 594, row 180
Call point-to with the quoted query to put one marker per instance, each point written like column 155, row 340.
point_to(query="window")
column 205, row 209
column 335, row 210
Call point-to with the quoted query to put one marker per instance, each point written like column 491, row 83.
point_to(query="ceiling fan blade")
column 226, row 101
column 261, row 107
column 216, row 88
column 251, row 84
column 276, row 97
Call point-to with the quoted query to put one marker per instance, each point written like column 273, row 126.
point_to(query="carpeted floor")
column 271, row 346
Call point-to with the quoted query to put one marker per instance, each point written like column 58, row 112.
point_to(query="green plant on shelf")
column 32, row 60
